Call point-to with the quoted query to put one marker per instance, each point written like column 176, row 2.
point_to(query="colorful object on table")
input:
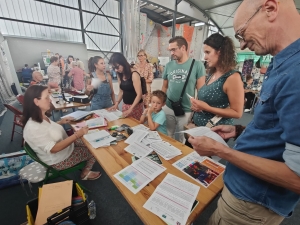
column 113, row 127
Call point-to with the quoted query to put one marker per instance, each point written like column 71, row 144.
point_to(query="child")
column 154, row 114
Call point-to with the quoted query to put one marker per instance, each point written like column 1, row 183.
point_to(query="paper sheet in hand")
column 138, row 149
column 96, row 83
column 205, row 131
column 165, row 149
column 136, row 137
column 136, row 176
column 203, row 169
column 172, row 200
column 54, row 198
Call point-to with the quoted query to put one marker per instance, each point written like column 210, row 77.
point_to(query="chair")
column 17, row 121
column 51, row 172
column 20, row 99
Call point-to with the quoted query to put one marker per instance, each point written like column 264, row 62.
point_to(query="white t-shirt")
column 41, row 137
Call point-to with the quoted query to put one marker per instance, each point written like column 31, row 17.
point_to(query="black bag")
column 177, row 107
column 143, row 84
column 81, row 100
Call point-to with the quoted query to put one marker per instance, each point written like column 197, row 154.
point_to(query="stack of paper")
column 110, row 116
column 140, row 127
column 138, row 149
column 152, row 136
column 136, row 176
column 99, row 139
column 136, row 137
column 165, row 149
column 77, row 115
column 203, row 169
column 96, row 122
column 172, row 200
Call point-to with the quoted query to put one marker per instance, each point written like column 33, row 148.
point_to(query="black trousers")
column 250, row 98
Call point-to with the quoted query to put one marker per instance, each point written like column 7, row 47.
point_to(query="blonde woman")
column 145, row 70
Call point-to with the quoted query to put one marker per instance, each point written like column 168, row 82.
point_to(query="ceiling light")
column 199, row 24
column 172, row 19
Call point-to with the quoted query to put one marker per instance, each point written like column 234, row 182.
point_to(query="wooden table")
column 60, row 107
column 114, row 158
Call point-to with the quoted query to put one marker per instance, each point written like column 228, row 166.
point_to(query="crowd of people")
column 262, row 183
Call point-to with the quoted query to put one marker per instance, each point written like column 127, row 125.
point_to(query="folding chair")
column 52, row 173
column 17, row 121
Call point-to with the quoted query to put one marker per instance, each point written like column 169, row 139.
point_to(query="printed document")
column 140, row 127
column 136, row 137
column 99, row 139
column 96, row 122
column 138, row 149
column 203, row 169
column 110, row 116
column 77, row 115
column 172, row 200
column 165, row 149
column 136, row 176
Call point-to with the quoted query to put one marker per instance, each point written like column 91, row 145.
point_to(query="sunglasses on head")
column 116, row 67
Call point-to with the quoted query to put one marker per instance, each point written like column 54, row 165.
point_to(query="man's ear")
column 271, row 8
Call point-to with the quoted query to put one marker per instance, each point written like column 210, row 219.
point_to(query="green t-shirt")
column 176, row 75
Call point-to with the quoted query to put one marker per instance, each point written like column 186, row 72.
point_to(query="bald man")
column 37, row 78
column 262, row 177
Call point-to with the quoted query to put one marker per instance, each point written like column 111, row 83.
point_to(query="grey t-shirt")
column 176, row 75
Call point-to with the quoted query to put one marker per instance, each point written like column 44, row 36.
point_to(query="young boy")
column 155, row 115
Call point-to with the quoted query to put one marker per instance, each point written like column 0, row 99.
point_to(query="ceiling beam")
column 201, row 10
column 223, row 4
column 220, row 14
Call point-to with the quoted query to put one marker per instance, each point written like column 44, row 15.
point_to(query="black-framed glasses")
column 115, row 67
column 140, row 55
column 238, row 35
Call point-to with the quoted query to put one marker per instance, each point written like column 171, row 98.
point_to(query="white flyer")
column 99, row 139
column 140, row 127
column 172, row 200
column 136, row 137
column 202, row 169
column 165, row 149
column 138, row 149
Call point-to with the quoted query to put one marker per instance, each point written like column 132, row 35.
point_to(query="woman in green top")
column 221, row 92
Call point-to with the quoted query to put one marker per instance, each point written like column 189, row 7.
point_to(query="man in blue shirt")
column 262, row 177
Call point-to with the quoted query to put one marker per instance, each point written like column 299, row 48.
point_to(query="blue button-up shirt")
column 274, row 133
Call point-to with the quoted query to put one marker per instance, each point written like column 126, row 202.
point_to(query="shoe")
column 247, row 110
column 88, row 178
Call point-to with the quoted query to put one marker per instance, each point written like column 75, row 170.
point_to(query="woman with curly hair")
column 221, row 93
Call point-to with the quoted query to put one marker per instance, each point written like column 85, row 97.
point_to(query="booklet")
column 109, row 115
column 99, row 139
column 165, row 149
column 78, row 115
column 137, row 175
column 173, row 200
column 203, row 169
column 96, row 122
column 138, row 149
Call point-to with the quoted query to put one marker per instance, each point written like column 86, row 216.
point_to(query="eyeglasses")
column 238, row 34
column 173, row 49
column 115, row 67
column 140, row 55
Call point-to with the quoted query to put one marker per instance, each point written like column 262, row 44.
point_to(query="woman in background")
column 49, row 139
column 130, row 87
column 221, row 93
column 53, row 73
column 145, row 70
column 100, row 85
column 77, row 75
column 68, row 67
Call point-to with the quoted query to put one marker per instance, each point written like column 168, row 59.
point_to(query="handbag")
column 177, row 107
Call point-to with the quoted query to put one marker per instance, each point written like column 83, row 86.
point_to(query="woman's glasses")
column 115, row 67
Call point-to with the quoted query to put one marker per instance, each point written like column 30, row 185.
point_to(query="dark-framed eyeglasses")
column 238, row 35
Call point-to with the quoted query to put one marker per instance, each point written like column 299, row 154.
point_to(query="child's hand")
column 145, row 111
column 150, row 111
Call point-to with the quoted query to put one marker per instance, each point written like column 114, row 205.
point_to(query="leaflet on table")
column 96, row 122
column 99, row 139
column 136, row 137
column 203, row 169
column 136, row 176
column 172, row 200
column 140, row 127
column 165, row 149
column 138, row 149
column 78, row 114
column 205, row 131
column 109, row 115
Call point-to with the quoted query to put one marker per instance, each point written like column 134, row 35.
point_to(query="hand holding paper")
column 198, row 105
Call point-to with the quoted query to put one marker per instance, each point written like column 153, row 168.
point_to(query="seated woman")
column 49, row 140
column 249, row 93
column 102, row 91
column 130, row 87
column 221, row 92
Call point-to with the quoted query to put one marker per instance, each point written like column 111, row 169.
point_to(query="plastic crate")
column 78, row 214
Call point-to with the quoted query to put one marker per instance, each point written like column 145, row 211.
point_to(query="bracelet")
column 238, row 130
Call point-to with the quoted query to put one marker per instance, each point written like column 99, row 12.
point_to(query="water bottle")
column 92, row 210
column 60, row 100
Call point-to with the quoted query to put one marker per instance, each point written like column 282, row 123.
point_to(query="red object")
column 17, row 120
column 20, row 98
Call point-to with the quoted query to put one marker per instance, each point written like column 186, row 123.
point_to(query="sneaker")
column 247, row 110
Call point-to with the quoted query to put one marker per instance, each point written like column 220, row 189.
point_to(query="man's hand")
column 225, row 131
column 205, row 146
